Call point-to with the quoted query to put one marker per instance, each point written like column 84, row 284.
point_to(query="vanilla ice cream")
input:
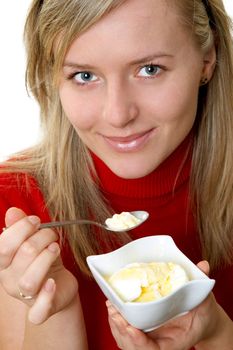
column 142, row 282
column 122, row 221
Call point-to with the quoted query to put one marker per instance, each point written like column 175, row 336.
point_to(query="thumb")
column 12, row 215
column 204, row 266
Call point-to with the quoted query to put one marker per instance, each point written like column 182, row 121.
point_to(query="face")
column 129, row 86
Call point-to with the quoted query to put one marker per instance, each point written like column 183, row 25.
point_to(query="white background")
column 19, row 114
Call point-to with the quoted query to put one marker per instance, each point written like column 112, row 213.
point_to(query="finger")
column 43, row 306
column 12, row 215
column 43, row 237
column 204, row 267
column 140, row 340
column 111, row 309
column 112, row 312
column 128, row 337
column 115, row 332
column 30, row 249
column 30, row 283
column 14, row 236
column 117, row 320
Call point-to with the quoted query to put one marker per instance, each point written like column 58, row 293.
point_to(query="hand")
column 30, row 264
column 179, row 334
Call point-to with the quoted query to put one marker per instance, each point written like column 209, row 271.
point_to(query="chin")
column 133, row 166
column 131, row 172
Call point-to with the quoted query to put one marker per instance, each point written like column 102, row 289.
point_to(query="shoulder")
column 18, row 183
column 21, row 190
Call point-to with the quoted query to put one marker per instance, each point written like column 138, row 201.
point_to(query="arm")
column 12, row 316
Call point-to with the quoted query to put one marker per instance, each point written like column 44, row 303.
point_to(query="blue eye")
column 149, row 70
column 84, row 77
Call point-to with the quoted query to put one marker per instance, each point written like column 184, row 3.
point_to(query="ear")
column 209, row 63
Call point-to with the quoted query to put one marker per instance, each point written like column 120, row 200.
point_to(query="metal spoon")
column 139, row 214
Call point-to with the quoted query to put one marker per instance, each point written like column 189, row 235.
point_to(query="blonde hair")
column 212, row 175
column 61, row 162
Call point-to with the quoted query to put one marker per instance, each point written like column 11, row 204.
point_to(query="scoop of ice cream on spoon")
column 126, row 220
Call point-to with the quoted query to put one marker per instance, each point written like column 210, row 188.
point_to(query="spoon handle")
column 69, row 222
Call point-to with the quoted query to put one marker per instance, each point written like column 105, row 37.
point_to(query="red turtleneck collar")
column 172, row 173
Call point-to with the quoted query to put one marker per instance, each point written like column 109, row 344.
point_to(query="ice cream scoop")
column 142, row 282
column 126, row 220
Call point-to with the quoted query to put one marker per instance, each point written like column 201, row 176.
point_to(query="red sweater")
column 164, row 194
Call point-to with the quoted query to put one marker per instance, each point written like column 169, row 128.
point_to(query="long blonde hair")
column 61, row 162
column 212, row 175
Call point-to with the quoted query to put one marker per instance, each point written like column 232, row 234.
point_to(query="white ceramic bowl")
column 149, row 315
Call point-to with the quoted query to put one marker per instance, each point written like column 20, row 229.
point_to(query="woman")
column 136, row 108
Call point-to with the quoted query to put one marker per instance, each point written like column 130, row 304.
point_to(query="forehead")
column 136, row 24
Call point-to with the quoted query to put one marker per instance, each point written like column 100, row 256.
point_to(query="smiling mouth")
column 129, row 143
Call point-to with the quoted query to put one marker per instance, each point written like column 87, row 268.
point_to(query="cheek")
column 176, row 104
column 78, row 109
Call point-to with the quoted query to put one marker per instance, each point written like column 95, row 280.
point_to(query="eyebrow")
column 77, row 65
column 151, row 58
column 141, row 60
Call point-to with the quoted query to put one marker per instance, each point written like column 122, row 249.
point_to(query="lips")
column 129, row 143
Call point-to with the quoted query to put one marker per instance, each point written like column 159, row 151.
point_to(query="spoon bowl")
column 139, row 214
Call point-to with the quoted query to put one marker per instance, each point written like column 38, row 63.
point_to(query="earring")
column 204, row 81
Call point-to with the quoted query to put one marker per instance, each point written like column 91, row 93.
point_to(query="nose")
column 120, row 106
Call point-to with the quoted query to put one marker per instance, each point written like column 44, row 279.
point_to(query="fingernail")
column 33, row 319
column 34, row 219
column 108, row 303
column 114, row 318
column 130, row 332
column 54, row 247
column 49, row 286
